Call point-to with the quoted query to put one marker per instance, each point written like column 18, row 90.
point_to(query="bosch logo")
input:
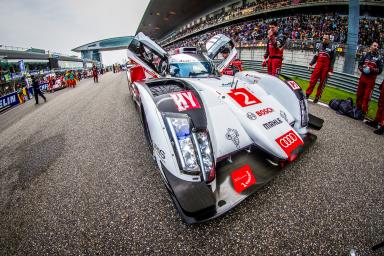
column 264, row 111
column 288, row 140
column 251, row 116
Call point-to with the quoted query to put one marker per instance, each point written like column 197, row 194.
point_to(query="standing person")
column 273, row 57
column 234, row 66
column 324, row 59
column 36, row 90
column 78, row 75
column 95, row 74
column 378, row 123
column 50, row 83
column 67, row 80
column 72, row 78
column 370, row 65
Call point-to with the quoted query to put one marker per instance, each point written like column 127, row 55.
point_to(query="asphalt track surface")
column 76, row 178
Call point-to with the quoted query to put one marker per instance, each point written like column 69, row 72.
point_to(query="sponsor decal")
column 233, row 135
column 283, row 115
column 272, row 123
column 242, row 178
column 294, row 85
column 243, row 97
column 289, row 142
column 251, row 116
column 185, row 100
column 264, row 111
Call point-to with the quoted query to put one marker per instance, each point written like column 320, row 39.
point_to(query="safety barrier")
column 338, row 80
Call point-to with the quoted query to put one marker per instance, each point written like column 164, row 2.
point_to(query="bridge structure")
column 92, row 51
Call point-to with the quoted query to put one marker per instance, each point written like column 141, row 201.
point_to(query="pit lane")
column 76, row 178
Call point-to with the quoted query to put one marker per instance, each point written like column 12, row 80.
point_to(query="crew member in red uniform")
column 378, row 123
column 324, row 59
column 234, row 66
column 370, row 65
column 273, row 56
column 95, row 74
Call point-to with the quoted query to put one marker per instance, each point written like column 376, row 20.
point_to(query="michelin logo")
column 8, row 100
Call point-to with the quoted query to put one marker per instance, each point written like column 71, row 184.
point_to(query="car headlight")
column 206, row 155
column 193, row 148
column 304, row 113
column 181, row 132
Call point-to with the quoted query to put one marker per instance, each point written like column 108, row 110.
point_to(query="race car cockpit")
column 191, row 65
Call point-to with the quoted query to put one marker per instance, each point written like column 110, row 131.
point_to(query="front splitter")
column 197, row 203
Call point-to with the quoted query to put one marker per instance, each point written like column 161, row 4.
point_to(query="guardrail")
column 339, row 80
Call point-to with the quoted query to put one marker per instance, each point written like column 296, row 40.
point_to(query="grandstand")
column 245, row 21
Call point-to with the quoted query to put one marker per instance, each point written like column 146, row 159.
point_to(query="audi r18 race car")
column 215, row 138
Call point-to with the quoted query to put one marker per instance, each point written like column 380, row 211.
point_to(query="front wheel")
column 146, row 131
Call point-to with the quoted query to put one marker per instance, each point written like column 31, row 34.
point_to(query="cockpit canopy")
column 190, row 65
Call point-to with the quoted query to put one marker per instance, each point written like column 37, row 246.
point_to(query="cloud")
column 63, row 25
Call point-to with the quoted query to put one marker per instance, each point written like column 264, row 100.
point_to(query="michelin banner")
column 9, row 100
column 12, row 99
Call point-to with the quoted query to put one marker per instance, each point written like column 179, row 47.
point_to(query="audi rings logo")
column 288, row 140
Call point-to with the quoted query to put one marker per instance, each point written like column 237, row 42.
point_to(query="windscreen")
column 191, row 69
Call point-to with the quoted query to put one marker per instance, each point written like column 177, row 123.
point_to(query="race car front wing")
column 237, row 177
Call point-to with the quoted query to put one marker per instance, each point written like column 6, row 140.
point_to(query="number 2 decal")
column 293, row 85
column 243, row 97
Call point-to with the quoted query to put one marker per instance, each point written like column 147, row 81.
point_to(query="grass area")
column 333, row 93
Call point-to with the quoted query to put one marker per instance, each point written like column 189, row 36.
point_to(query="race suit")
column 274, row 53
column 370, row 66
column 233, row 67
column 380, row 109
column 324, row 59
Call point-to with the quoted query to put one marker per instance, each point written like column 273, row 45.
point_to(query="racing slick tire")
column 147, row 133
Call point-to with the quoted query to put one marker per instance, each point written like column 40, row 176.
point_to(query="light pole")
column 353, row 36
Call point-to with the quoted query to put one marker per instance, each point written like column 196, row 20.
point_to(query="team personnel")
column 95, row 74
column 36, row 90
column 370, row 65
column 324, row 59
column 234, row 66
column 379, row 119
column 273, row 57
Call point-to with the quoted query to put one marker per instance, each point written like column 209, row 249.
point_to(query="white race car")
column 215, row 138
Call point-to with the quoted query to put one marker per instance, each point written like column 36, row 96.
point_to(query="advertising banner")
column 9, row 100
column 43, row 86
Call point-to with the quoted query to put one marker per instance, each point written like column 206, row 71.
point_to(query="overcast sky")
column 61, row 25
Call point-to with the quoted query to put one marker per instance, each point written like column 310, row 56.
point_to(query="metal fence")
column 339, row 80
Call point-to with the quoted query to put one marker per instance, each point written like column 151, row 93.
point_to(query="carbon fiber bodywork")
column 197, row 203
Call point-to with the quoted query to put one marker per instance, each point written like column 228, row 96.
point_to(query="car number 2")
column 243, row 97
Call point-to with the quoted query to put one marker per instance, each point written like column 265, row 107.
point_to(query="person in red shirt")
column 234, row 66
column 370, row 65
column 95, row 74
column 273, row 57
column 378, row 123
column 324, row 59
